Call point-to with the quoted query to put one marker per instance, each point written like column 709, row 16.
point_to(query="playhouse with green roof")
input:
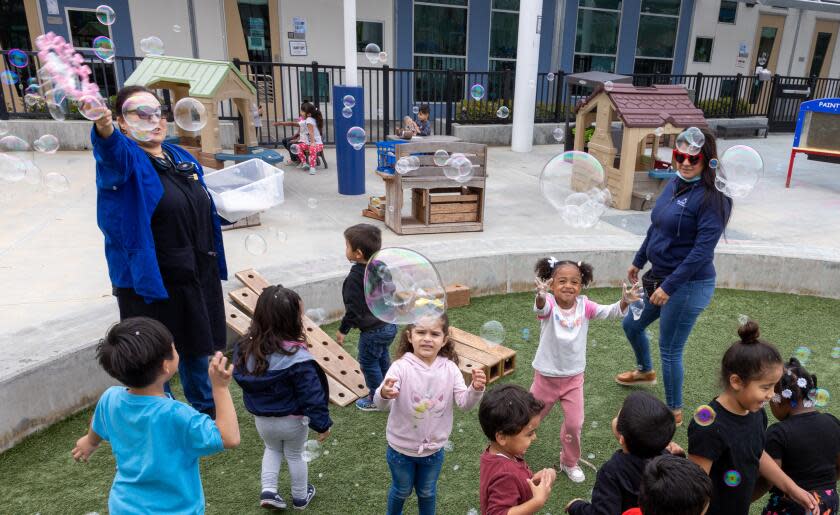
column 209, row 82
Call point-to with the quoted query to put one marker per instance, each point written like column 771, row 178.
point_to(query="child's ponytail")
column 749, row 357
column 796, row 385
column 546, row 266
column 310, row 110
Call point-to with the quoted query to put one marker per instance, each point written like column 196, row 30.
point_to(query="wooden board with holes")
column 236, row 319
column 493, row 366
column 506, row 355
column 467, row 366
column 245, row 299
column 336, row 361
column 252, row 279
column 340, row 395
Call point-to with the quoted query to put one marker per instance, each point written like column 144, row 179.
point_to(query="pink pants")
column 569, row 392
column 312, row 149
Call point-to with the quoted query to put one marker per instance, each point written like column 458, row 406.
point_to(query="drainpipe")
column 193, row 37
column 527, row 59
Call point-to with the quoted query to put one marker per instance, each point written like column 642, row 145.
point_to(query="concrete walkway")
column 51, row 251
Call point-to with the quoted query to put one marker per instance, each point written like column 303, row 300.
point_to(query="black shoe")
column 300, row 504
column 272, row 500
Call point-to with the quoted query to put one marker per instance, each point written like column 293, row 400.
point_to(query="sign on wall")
column 299, row 25
column 52, row 7
column 743, row 55
column 297, row 48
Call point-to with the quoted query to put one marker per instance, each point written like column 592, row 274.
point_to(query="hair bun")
column 749, row 332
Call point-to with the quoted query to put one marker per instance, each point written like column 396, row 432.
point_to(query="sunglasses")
column 679, row 157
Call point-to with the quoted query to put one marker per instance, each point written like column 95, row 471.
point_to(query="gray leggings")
column 283, row 436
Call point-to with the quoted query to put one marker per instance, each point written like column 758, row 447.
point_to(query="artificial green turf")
column 39, row 476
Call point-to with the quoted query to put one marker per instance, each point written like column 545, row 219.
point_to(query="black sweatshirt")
column 616, row 486
column 357, row 314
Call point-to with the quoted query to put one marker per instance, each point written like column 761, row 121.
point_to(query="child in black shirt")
column 805, row 442
column 726, row 438
column 644, row 428
column 361, row 242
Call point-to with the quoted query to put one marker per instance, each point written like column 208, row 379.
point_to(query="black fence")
column 391, row 94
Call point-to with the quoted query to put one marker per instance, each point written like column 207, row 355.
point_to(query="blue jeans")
column 408, row 472
column 196, row 383
column 374, row 356
column 677, row 319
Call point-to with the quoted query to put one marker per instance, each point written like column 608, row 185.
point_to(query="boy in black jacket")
column 363, row 241
column 644, row 428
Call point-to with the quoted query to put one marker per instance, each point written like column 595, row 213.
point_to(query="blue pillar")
column 683, row 35
column 478, row 46
column 567, row 59
column 627, row 36
column 547, row 35
column 351, row 162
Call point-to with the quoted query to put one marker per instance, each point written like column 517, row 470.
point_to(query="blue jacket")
column 292, row 385
column 684, row 230
column 128, row 191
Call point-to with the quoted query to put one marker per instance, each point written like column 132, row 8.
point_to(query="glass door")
column 822, row 48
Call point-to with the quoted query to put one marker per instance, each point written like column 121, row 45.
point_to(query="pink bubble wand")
column 66, row 71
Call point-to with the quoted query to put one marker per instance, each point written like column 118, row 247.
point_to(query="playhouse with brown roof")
column 626, row 140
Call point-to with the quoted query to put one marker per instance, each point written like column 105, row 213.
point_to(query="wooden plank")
column 372, row 214
column 443, row 198
column 245, row 299
column 411, row 226
column 507, row 355
column 467, row 365
column 492, row 364
column 238, row 321
column 453, row 217
column 252, row 279
column 339, row 394
column 457, row 207
column 430, row 147
column 335, row 361
column 248, row 221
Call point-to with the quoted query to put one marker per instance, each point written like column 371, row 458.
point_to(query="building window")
column 728, row 11
column 504, row 32
column 84, row 27
column 307, row 88
column 703, row 50
column 596, row 39
column 657, row 36
column 15, row 33
column 368, row 32
column 440, row 43
column 820, row 51
column 256, row 27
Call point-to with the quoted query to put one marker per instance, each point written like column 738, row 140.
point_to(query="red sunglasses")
column 679, row 157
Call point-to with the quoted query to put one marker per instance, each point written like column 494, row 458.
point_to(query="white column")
column 527, row 60
column 350, row 43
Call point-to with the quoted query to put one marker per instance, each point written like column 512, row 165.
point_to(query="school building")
column 715, row 37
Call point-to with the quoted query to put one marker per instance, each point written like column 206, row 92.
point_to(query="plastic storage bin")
column 386, row 156
column 245, row 189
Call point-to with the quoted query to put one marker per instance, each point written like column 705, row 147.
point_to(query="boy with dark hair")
column 644, row 428
column 509, row 416
column 361, row 242
column 673, row 486
column 155, row 439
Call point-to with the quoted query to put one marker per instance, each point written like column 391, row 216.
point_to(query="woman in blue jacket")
column 687, row 221
column 163, row 240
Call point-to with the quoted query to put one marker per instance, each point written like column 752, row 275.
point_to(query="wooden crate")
column 446, row 205
column 457, row 296
column 248, row 221
column 506, row 357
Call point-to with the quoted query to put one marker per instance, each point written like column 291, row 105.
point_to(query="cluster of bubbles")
column 704, row 415
column 574, row 184
column 349, row 103
column 402, row 287
column 15, row 166
column 375, row 55
column 492, row 332
column 407, row 164
column 477, row 91
column 738, row 171
column 457, row 167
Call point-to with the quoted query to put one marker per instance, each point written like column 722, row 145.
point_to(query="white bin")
column 245, row 189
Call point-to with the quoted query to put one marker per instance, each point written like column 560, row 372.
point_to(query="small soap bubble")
column 326, row 452
column 9, row 77
column 532, row 84
column 282, row 236
column 608, row 86
column 441, row 157
column 492, row 332
column 648, row 197
column 190, row 114
column 311, row 450
column 732, row 478
column 320, row 475
column 56, row 182
column 103, row 47
column 458, row 168
column 590, row 456
column 349, row 101
column 449, row 446
column 105, row 15
column 803, row 354
column 503, row 112
column 738, row 171
column 624, row 223
column 477, row 91
column 690, row 141
column 526, row 334
column 659, row 131
column 356, row 136
column 415, row 109
column 347, row 112
column 559, row 134
column 12, row 168
column 383, row 57
column 13, row 144
column 304, row 420
column 549, row 77
column 255, row 244
column 18, row 58
column 819, row 397
column 58, row 111
column 176, row 28
column 472, row 511
column 312, row 203
column 372, row 51
column 46, row 144
column 713, row 163
column 835, row 352
column 456, row 467
column 317, row 315
column 704, row 415
column 294, row 148
column 152, row 45
column 595, row 424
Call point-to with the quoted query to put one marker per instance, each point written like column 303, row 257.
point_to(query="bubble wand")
column 66, row 71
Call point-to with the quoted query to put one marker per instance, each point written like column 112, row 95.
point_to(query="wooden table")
column 426, row 139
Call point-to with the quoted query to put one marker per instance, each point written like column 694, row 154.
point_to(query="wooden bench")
column 439, row 204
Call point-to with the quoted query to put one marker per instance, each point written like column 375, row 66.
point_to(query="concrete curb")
column 40, row 390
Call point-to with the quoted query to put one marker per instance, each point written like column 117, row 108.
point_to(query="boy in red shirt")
column 509, row 416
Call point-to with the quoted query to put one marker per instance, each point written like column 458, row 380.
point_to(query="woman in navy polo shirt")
column 687, row 221
column 163, row 240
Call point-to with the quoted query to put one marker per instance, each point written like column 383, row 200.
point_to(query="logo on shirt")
column 681, row 202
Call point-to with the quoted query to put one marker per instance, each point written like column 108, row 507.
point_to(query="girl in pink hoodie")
column 419, row 391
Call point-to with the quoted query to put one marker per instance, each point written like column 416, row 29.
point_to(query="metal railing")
column 391, row 94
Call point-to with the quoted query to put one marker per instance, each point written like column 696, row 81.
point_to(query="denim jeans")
column 374, row 355
column 196, row 383
column 408, row 472
column 677, row 319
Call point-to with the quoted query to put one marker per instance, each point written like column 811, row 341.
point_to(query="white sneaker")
column 574, row 473
column 311, row 171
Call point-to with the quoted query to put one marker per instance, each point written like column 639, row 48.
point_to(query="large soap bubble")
column 574, row 184
column 46, row 144
column 12, row 169
column 103, row 47
column 402, row 287
column 13, row 144
column 92, row 107
column 458, row 168
column 738, row 171
column 356, row 137
column 372, row 52
column 441, row 157
column 190, row 114
column 691, row 141
column 492, row 332
column 105, row 15
column 141, row 112
column 152, row 45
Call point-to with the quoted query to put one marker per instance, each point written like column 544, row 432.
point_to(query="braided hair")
column 546, row 267
column 796, row 385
